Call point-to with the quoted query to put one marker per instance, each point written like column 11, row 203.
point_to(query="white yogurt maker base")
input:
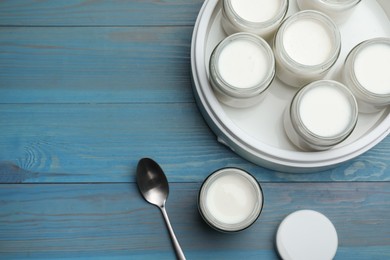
column 258, row 136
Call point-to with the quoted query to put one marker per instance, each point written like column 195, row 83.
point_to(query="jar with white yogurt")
column 242, row 67
column 306, row 46
column 321, row 115
column 230, row 200
column 338, row 10
column 261, row 17
column 367, row 74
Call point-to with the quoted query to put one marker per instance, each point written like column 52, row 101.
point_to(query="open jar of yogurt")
column 322, row 114
column 242, row 67
column 230, row 200
column 260, row 17
column 306, row 46
column 338, row 10
column 367, row 74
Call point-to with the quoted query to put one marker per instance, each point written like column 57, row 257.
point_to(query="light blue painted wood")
column 87, row 88
column 112, row 220
column 98, row 13
column 103, row 143
column 95, row 65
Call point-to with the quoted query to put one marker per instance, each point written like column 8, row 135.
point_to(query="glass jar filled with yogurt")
column 230, row 200
column 242, row 67
column 367, row 74
column 306, row 46
column 338, row 10
column 260, row 17
column 322, row 114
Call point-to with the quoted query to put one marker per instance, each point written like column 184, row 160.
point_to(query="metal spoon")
column 153, row 185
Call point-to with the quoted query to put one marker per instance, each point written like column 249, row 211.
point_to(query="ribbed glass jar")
column 367, row 74
column 322, row 114
column 306, row 46
column 242, row 67
column 260, row 17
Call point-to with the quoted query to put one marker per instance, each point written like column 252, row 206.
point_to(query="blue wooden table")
column 87, row 88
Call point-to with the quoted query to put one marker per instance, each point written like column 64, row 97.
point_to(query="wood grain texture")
column 103, row 143
column 98, row 13
column 112, row 221
column 87, row 88
column 95, row 65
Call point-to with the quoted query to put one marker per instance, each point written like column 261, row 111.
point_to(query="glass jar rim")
column 311, row 137
column 350, row 61
column 233, row 15
column 295, row 66
column 221, row 226
column 339, row 5
column 231, row 90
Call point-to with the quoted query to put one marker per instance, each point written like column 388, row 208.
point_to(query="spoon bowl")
column 153, row 185
column 152, row 182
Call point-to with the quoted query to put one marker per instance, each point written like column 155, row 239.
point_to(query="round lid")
column 306, row 234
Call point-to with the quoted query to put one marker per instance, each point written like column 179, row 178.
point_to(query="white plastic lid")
column 306, row 234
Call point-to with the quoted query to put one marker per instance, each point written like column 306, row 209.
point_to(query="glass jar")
column 335, row 9
column 242, row 67
column 367, row 74
column 230, row 200
column 321, row 115
column 255, row 16
column 306, row 46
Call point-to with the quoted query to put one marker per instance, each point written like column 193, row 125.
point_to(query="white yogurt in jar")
column 322, row 114
column 256, row 10
column 260, row 17
column 308, row 41
column 367, row 73
column 242, row 67
column 372, row 68
column 338, row 10
column 243, row 63
column 325, row 111
column 306, row 46
column 230, row 200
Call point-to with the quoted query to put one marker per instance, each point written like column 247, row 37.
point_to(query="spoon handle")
column 176, row 245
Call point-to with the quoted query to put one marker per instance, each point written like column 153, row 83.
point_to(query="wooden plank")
column 98, row 13
column 103, row 143
column 111, row 221
column 95, row 65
